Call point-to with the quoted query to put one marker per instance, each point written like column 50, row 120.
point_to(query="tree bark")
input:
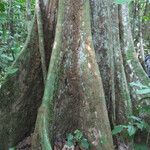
column 28, row 14
column 21, row 93
column 41, row 38
column 19, row 99
column 73, row 97
column 102, row 39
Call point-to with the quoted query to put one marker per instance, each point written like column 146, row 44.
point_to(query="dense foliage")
column 13, row 30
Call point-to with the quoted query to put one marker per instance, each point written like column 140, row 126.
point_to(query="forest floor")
column 25, row 144
column 59, row 144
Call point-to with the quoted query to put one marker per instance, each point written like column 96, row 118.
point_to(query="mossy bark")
column 21, row 93
column 73, row 97
column 19, row 99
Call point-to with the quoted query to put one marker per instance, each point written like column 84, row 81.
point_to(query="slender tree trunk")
column 10, row 14
column 28, row 13
column 141, row 44
column 11, row 27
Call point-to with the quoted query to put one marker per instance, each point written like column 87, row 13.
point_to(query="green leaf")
column 118, row 129
column 70, row 139
column 145, row 109
column 2, row 6
column 134, row 118
column 138, row 84
column 6, row 57
column 11, row 70
column 131, row 130
column 78, row 135
column 146, row 126
column 146, row 18
column 122, row 1
column 3, row 18
column 143, row 91
column 139, row 125
column 84, row 143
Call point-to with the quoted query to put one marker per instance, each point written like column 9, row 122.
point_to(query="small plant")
column 141, row 109
column 136, row 122
column 129, row 130
column 122, row 1
column 11, row 70
column 77, row 138
column 142, row 89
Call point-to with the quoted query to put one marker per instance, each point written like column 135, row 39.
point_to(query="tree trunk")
column 109, row 58
column 102, row 39
column 28, row 14
column 17, row 94
column 21, row 93
column 73, row 97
